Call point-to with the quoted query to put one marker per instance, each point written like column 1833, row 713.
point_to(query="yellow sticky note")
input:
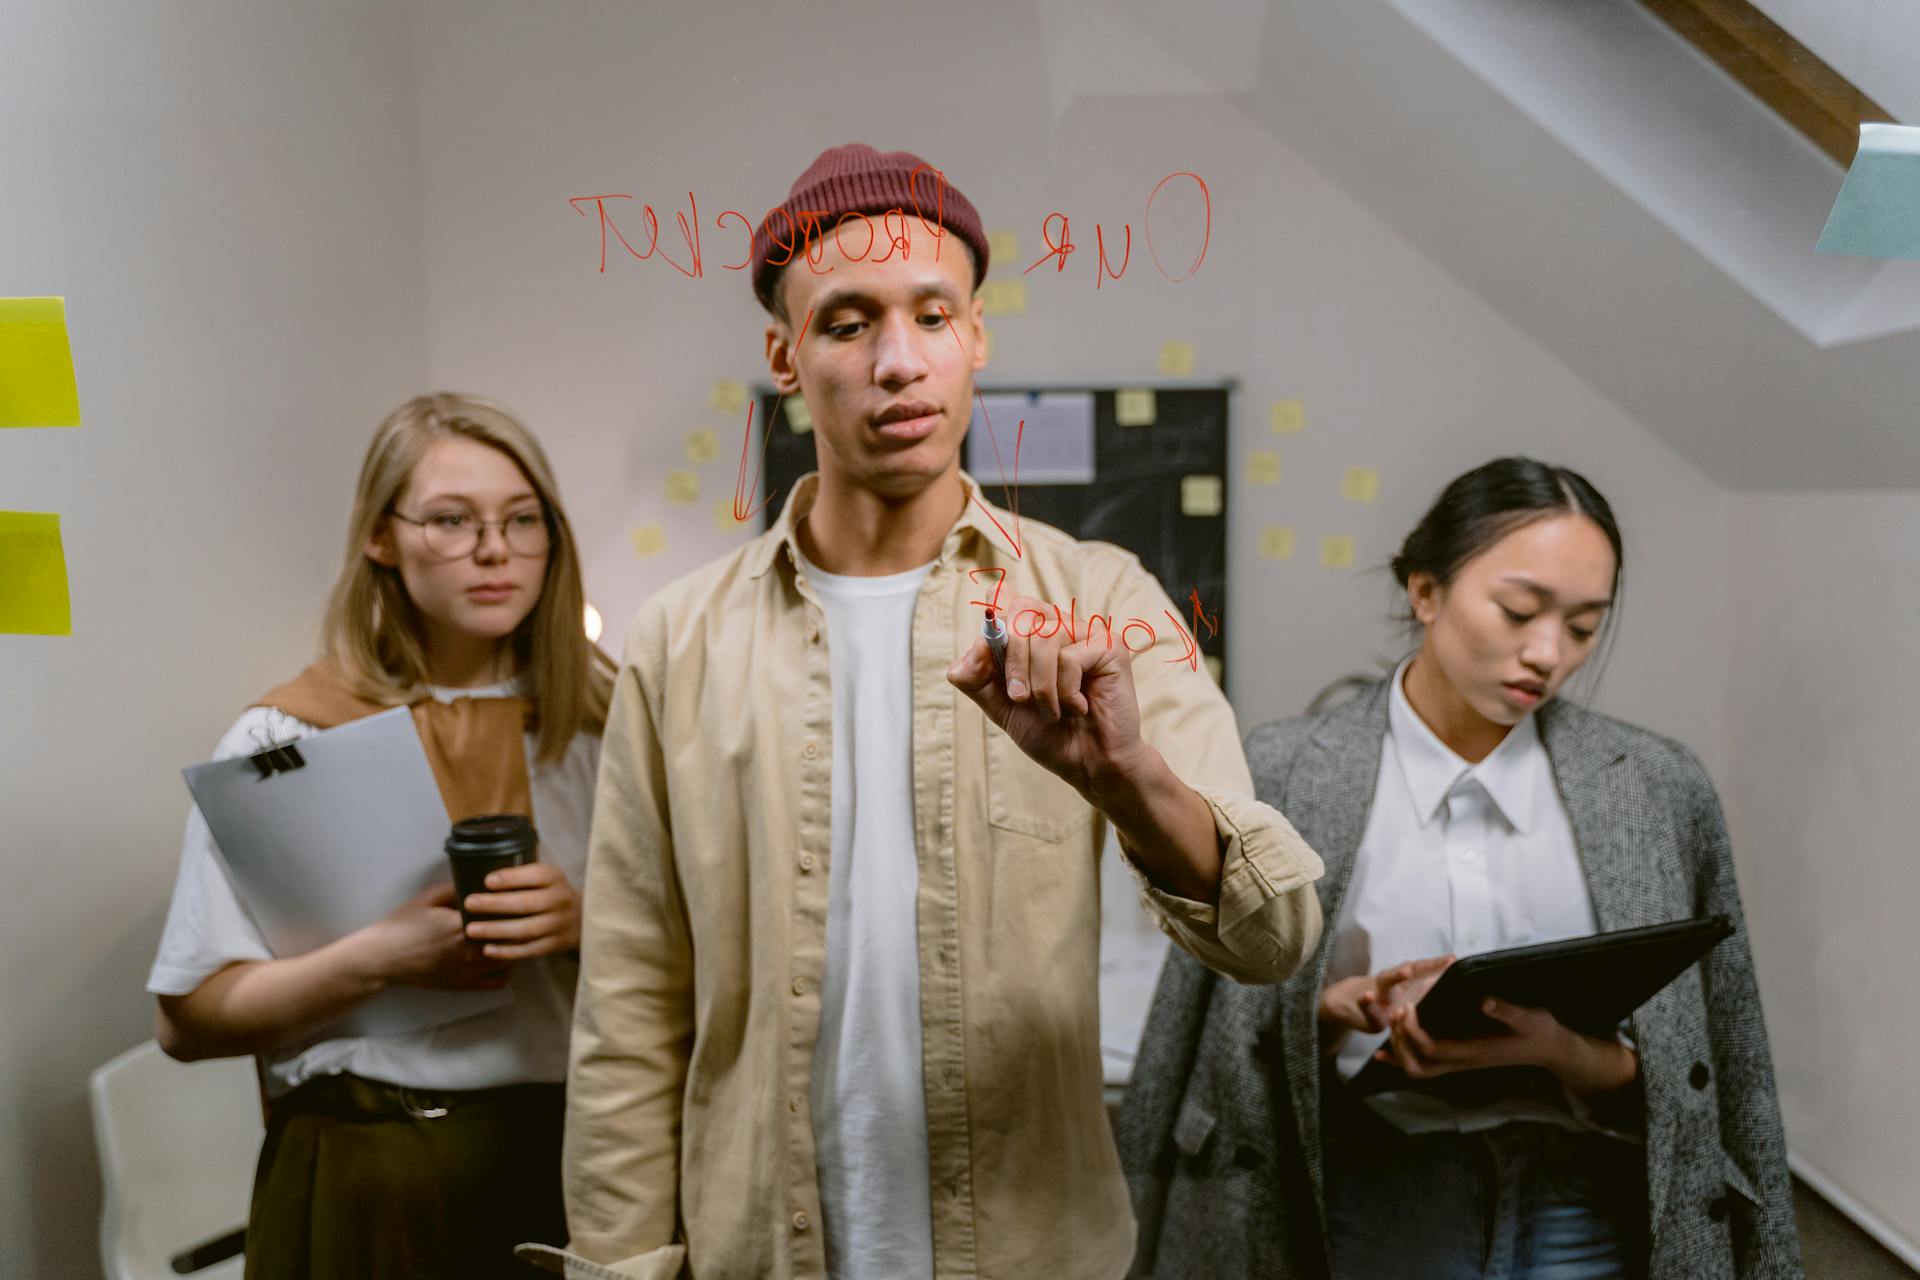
column 1215, row 667
column 649, row 540
column 1289, row 417
column 1276, row 542
column 33, row 576
column 1263, row 467
column 1003, row 297
column 723, row 517
column 1336, row 551
column 703, row 445
column 1133, row 407
column 683, row 486
column 1176, row 359
column 1003, row 249
column 36, row 365
column 727, row 396
column 799, row 421
column 1361, row 485
column 1202, row 496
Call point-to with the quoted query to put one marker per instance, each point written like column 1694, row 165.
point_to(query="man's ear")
column 780, row 357
column 977, row 318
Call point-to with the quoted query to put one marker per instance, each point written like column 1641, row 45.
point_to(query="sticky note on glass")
column 1003, row 249
column 799, row 421
column 1276, row 542
column 36, row 365
column 1289, row 417
column 1202, row 495
column 727, row 396
column 1263, row 467
column 1003, row 297
column 1877, row 213
column 1133, row 407
column 1336, row 551
column 33, row 576
column 703, row 445
column 649, row 540
column 1362, row 484
column 723, row 517
column 1176, row 359
column 683, row 486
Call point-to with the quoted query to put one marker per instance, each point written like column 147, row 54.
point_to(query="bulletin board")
column 1157, row 480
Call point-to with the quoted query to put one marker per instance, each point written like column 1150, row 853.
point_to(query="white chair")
column 178, row 1142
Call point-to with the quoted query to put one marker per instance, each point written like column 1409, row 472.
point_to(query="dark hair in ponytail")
column 1486, row 504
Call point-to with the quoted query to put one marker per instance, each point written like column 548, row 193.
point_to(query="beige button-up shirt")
column 689, row 1137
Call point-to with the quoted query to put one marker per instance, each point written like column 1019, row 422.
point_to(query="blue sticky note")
column 1877, row 214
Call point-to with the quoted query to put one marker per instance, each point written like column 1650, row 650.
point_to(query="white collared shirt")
column 1457, row 859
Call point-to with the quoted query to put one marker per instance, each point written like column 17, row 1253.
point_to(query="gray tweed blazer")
column 1220, row 1131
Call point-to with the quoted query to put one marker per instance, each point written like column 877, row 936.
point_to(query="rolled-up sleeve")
column 1266, row 919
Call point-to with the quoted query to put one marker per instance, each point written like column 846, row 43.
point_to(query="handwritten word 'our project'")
column 802, row 234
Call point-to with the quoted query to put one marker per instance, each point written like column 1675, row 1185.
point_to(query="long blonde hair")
column 371, row 634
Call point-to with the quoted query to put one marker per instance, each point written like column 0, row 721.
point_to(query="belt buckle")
column 417, row 1107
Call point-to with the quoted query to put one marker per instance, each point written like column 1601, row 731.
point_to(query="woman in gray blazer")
column 1314, row 1129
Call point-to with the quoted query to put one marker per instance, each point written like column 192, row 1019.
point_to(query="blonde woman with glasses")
column 430, row 1153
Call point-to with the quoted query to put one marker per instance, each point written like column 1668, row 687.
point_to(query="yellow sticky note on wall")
column 1361, row 485
column 1202, row 495
column 1263, row 467
column 1003, row 249
column 1003, row 297
column 649, row 540
column 683, row 486
column 33, row 576
column 1176, row 359
column 1336, row 551
column 703, row 445
column 36, row 365
column 799, row 421
column 723, row 517
column 1133, row 407
column 1276, row 542
column 1289, row 417
column 727, row 396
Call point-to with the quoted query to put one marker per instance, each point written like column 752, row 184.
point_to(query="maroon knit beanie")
column 857, row 179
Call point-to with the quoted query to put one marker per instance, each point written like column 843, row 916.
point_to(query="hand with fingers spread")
column 1588, row 1065
column 1069, row 705
column 538, row 910
column 1365, row 1002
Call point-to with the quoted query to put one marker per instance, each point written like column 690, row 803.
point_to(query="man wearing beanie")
column 838, row 1010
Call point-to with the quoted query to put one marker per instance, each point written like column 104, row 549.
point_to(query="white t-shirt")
column 521, row 1043
column 868, row 1088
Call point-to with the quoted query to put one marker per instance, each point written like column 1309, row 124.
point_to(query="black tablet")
column 1590, row 984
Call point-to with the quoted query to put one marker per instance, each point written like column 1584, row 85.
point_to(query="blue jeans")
column 1521, row 1202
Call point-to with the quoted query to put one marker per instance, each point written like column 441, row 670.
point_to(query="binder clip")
column 275, row 757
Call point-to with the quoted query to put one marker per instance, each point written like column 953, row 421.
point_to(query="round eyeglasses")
column 455, row 535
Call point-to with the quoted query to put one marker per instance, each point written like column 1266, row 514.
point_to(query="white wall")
column 1823, row 708
column 1303, row 294
column 227, row 196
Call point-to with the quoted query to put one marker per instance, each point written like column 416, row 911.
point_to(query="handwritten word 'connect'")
column 803, row 233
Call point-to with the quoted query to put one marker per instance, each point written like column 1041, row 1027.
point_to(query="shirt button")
column 806, row 862
column 801, row 1221
column 952, row 1076
column 793, row 1104
column 811, row 750
column 799, row 986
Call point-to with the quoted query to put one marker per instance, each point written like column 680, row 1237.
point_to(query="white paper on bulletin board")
column 1055, row 448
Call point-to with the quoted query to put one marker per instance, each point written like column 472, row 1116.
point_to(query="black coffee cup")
column 477, row 847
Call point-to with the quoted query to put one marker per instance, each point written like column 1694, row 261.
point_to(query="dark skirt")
column 362, row 1180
